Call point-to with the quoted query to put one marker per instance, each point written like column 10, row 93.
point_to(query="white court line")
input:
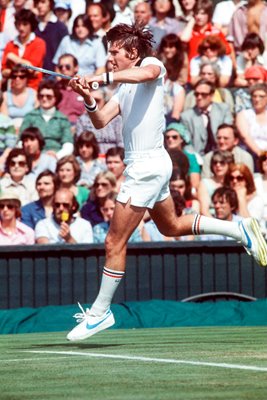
column 153, row 360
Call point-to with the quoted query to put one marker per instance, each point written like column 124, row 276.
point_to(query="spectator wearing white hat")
column 12, row 231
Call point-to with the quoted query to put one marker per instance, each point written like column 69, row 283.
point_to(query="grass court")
column 169, row 363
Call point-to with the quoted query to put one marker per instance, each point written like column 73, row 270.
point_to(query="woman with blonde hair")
column 105, row 183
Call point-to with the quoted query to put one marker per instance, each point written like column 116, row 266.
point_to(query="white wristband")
column 107, row 78
column 92, row 108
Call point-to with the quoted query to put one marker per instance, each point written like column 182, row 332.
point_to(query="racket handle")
column 94, row 85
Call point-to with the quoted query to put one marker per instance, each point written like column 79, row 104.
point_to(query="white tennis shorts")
column 147, row 178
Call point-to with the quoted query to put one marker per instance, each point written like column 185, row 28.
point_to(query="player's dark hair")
column 131, row 37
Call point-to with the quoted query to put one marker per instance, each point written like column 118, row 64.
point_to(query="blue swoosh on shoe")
column 249, row 244
column 88, row 326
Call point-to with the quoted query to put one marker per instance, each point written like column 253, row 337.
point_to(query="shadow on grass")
column 82, row 346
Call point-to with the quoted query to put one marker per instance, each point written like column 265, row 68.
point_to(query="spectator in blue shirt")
column 33, row 212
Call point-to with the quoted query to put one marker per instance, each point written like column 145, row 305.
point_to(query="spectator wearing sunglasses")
column 203, row 119
column 219, row 164
column 105, row 183
column 12, row 231
column 53, row 125
column 71, row 103
column 64, row 226
column 227, row 139
column 212, row 49
column 240, row 179
column 27, row 48
column 19, row 99
column 18, row 165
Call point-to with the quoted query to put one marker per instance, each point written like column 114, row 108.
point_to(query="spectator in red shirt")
column 26, row 48
column 200, row 26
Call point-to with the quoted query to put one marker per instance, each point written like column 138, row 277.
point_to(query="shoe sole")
column 104, row 325
column 262, row 246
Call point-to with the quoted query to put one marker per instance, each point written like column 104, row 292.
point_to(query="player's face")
column 222, row 208
column 119, row 58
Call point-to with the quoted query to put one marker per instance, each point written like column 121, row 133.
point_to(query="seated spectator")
column 172, row 53
column 227, row 139
column 250, row 204
column 87, row 152
column 253, row 75
column 8, row 136
column 63, row 12
column 212, row 49
column 143, row 13
column 250, row 16
column 25, row 49
column 202, row 121
column 179, row 183
column 19, row 99
column 50, row 29
column 252, row 123
column 71, row 104
column 260, row 180
column 68, row 174
column 18, row 165
column 88, row 50
column 33, row 144
column 200, row 26
column 210, row 72
column 225, row 203
column 187, row 8
column 223, row 13
column 220, row 163
column 177, row 136
column 105, row 182
column 115, row 164
column 107, row 137
column 174, row 93
column 164, row 16
column 123, row 13
column 54, row 126
column 252, row 55
column 97, row 14
column 42, row 208
column 12, row 231
column 107, row 206
column 63, row 226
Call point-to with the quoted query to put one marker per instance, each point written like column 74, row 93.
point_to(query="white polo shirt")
column 142, row 111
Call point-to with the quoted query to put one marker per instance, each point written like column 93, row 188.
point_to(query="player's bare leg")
column 125, row 219
column 246, row 231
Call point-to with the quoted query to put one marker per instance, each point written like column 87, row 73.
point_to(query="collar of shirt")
column 127, row 11
column 52, row 18
column 11, row 183
column 30, row 39
column 19, row 228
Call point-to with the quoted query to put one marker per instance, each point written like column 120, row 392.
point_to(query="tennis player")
column 139, row 100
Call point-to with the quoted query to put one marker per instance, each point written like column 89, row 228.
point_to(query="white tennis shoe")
column 253, row 240
column 89, row 325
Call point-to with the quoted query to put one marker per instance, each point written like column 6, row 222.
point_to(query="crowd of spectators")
column 59, row 176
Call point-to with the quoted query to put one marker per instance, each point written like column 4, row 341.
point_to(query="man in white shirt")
column 139, row 100
column 63, row 226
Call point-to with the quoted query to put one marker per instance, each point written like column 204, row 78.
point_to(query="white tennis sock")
column 206, row 225
column 110, row 282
